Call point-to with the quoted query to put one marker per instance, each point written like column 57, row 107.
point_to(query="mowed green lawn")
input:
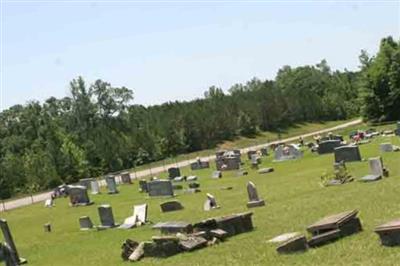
column 294, row 198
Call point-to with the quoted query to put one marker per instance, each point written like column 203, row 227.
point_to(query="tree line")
column 98, row 128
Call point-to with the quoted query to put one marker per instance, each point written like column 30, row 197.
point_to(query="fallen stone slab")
column 192, row 243
column 389, row 233
column 170, row 206
column 324, row 238
column 265, row 170
column 295, row 244
column 174, row 227
column 284, row 237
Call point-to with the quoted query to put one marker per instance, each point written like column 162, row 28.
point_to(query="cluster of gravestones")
column 180, row 237
column 228, row 160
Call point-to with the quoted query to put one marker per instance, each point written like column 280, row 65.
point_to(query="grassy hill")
column 294, row 199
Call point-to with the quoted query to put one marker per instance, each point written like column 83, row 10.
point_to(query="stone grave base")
column 258, row 203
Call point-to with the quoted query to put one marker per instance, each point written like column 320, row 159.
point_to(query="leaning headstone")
column 94, row 184
column 170, row 206
column 210, row 203
column 216, row 174
column 386, row 147
column 348, row 153
column 14, row 256
column 111, row 184
column 106, row 217
column 173, row 172
column 126, row 178
column 376, row 170
column 160, row 188
column 254, row 200
column 328, row 146
column 295, row 244
column 138, row 218
column 78, row 196
column 389, row 233
column 85, row 223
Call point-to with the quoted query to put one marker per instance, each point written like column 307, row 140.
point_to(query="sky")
column 175, row 50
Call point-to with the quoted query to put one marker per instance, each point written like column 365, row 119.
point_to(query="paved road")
column 12, row 204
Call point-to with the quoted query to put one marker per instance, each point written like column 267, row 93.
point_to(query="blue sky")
column 175, row 51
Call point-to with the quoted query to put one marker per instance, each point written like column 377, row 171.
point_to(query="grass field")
column 294, row 200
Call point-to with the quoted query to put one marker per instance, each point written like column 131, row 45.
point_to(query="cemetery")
column 221, row 215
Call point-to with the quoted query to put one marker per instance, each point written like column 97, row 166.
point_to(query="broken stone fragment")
column 219, row 233
column 138, row 253
column 192, row 243
column 128, row 247
column 295, row 244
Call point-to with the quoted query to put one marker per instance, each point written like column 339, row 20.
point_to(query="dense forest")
column 98, row 128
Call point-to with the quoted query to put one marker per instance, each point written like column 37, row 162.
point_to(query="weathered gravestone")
column 174, row 172
column 210, row 203
column 94, row 184
column 348, row 153
column 170, row 206
column 294, row 244
column 255, row 160
column 11, row 249
column 287, row 152
column 376, row 170
column 389, row 233
column 111, row 184
column 229, row 160
column 386, row 147
column 78, row 196
column 143, row 185
column 264, row 151
column 85, row 223
column 198, row 164
column 160, row 188
column 333, row 227
column 126, row 178
column 174, row 227
column 250, row 153
column 254, row 200
column 216, row 174
column 138, row 218
column 106, row 217
column 85, row 182
column 328, row 146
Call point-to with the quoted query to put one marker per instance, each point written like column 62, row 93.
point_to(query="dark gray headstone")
column 78, row 195
column 328, row 146
column 111, row 184
column 106, row 217
column 324, row 238
column 85, row 223
column 348, row 153
column 160, row 188
column 173, row 172
column 389, row 233
column 254, row 200
column 126, row 178
column 170, row 206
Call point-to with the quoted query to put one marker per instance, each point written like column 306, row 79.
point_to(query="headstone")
column 210, row 203
column 94, row 184
column 170, row 206
column 106, row 217
column 160, row 188
column 47, row 227
column 254, row 200
column 49, row 203
column 216, row 174
column 78, row 196
column 85, row 182
column 85, row 223
column 287, row 152
column 198, row 164
column 111, row 184
column 376, row 170
column 386, row 147
column 348, row 153
column 236, row 223
column 143, row 185
column 255, row 160
column 328, row 146
column 250, row 153
column 174, row 227
column 229, row 160
column 173, row 172
column 266, row 170
column 126, row 178
column 389, row 233
column 264, row 151
column 138, row 218
column 295, row 244
column 191, row 178
column 14, row 256
column 346, row 222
